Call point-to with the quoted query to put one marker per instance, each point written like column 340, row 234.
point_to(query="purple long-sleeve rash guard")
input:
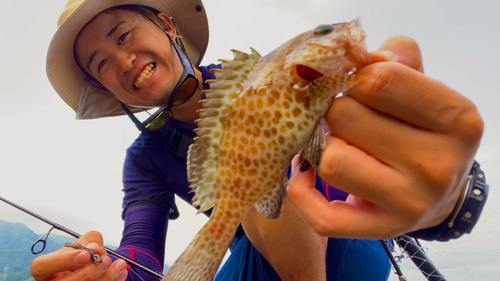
column 152, row 174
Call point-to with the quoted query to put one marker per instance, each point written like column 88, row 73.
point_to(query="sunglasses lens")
column 186, row 91
column 160, row 120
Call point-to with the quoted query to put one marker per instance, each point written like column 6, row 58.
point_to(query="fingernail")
column 381, row 56
column 93, row 246
column 81, row 258
column 304, row 165
column 389, row 55
column 295, row 161
column 120, row 265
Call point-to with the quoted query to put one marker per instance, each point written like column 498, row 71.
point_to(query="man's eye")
column 122, row 38
column 101, row 64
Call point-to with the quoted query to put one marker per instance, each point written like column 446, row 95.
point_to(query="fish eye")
column 323, row 29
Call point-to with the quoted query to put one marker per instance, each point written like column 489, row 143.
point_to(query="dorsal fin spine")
column 203, row 155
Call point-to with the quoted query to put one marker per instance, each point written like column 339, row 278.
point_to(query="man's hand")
column 400, row 143
column 67, row 264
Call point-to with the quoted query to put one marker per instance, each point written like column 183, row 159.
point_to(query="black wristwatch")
column 466, row 214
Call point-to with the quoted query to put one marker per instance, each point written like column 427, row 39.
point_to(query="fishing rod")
column 43, row 240
column 416, row 253
column 419, row 258
column 407, row 243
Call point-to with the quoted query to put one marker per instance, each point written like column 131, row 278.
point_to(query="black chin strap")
column 178, row 140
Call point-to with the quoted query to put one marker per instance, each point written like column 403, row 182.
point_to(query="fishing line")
column 407, row 243
column 18, row 234
column 43, row 240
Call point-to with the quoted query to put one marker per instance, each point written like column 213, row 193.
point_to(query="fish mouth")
column 307, row 73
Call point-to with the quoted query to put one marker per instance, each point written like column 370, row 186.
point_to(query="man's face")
column 130, row 56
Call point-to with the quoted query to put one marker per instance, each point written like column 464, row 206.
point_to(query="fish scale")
column 258, row 113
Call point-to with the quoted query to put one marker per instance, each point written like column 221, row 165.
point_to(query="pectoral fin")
column 333, row 84
column 312, row 151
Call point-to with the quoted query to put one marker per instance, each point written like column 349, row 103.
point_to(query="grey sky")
column 70, row 171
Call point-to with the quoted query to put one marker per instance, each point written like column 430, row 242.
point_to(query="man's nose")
column 124, row 61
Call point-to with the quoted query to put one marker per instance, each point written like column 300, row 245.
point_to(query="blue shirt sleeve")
column 144, row 240
column 143, row 178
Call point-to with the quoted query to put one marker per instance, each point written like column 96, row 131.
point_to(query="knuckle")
column 413, row 58
column 109, row 275
column 331, row 161
column 414, row 211
column 471, row 123
column 446, row 175
column 438, row 178
column 340, row 108
column 382, row 76
column 294, row 194
column 90, row 272
column 418, row 209
column 462, row 116
column 322, row 226
column 322, row 230
column 340, row 111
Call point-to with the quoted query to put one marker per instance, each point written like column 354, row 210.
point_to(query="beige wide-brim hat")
column 88, row 101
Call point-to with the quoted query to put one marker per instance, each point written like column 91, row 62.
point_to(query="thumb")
column 302, row 194
column 400, row 49
column 94, row 241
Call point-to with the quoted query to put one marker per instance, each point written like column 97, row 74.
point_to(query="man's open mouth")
column 307, row 73
column 145, row 74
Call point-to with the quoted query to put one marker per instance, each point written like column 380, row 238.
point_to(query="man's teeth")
column 145, row 74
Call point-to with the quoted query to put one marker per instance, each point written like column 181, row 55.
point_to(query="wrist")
column 466, row 212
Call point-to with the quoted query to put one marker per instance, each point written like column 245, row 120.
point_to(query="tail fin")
column 201, row 259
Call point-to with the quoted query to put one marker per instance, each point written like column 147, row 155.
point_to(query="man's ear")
column 168, row 24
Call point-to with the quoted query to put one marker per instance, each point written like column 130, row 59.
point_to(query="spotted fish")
column 258, row 113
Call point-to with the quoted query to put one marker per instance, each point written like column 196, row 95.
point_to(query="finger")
column 66, row 259
column 116, row 272
column 61, row 260
column 90, row 272
column 94, row 241
column 363, row 219
column 400, row 49
column 406, row 94
column 301, row 191
column 356, row 172
column 392, row 141
column 354, row 218
column 390, row 189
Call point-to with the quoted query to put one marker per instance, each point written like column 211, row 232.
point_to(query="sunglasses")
column 182, row 92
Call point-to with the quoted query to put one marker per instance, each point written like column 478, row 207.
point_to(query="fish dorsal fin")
column 203, row 154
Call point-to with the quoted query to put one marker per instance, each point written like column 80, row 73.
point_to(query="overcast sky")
column 70, row 171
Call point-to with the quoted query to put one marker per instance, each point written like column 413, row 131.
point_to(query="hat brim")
column 65, row 76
